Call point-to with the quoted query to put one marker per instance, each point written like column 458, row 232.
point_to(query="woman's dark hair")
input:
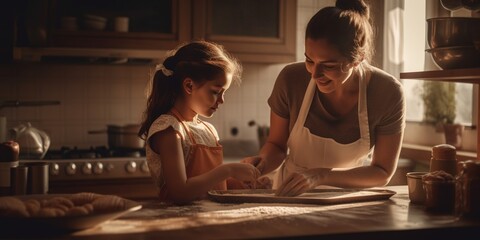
column 199, row 60
column 346, row 26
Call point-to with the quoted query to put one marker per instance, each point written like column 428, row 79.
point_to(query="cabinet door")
column 252, row 30
column 152, row 24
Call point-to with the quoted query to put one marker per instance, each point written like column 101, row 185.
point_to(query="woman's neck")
column 348, row 89
column 341, row 102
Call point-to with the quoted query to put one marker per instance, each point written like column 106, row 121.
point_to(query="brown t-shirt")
column 385, row 106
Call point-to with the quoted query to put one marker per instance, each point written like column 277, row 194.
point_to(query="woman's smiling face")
column 326, row 65
column 207, row 96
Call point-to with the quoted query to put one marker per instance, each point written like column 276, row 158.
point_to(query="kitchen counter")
column 389, row 219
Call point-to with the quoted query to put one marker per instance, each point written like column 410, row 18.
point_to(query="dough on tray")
column 79, row 204
column 12, row 207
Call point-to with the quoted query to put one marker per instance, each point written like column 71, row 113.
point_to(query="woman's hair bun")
column 358, row 6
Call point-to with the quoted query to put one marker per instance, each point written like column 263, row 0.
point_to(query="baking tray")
column 315, row 196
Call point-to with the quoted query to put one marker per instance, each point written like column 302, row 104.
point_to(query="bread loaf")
column 80, row 204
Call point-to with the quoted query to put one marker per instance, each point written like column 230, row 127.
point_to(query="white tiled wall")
column 306, row 9
column 93, row 96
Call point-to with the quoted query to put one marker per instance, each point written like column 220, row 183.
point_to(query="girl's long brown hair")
column 199, row 60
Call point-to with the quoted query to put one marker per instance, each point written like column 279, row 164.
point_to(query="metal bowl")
column 451, row 5
column 452, row 31
column 456, row 57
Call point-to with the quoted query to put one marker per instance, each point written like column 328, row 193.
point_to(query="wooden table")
column 389, row 219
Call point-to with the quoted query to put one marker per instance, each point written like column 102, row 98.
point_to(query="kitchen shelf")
column 467, row 75
column 36, row 54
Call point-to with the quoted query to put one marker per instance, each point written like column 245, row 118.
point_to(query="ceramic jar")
column 439, row 192
column 444, row 158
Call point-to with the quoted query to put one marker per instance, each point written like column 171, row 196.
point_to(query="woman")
column 331, row 112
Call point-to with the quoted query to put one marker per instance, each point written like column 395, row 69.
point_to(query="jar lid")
column 470, row 168
column 444, row 152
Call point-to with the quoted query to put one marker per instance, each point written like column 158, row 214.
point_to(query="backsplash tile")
column 93, row 96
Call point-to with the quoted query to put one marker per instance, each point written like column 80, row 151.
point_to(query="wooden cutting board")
column 315, row 196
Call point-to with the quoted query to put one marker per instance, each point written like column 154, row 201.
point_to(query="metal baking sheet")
column 315, row 196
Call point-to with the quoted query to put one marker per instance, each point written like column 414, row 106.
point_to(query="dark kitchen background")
column 70, row 51
column 102, row 89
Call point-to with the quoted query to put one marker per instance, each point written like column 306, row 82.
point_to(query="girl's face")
column 327, row 66
column 206, row 97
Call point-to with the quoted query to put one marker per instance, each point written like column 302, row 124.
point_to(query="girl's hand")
column 243, row 172
column 298, row 183
column 263, row 183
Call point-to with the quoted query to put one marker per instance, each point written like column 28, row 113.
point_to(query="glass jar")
column 467, row 194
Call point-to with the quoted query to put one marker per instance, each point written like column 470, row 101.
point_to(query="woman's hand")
column 256, row 161
column 298, row 183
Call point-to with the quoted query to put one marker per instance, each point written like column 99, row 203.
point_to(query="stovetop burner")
column 92, row 152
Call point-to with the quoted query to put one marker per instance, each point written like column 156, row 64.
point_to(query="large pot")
column 122, row 137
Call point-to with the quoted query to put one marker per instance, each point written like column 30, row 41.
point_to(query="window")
column 414, row 59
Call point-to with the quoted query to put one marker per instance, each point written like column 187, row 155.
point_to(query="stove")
column 69, row 164
column 122, row 172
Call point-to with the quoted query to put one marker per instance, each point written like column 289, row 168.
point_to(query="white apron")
column 307, row 150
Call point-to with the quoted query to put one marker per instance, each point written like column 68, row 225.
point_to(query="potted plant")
column 440, row 110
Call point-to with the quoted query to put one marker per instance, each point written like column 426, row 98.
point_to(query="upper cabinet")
column 253, row 31
column 123, row 24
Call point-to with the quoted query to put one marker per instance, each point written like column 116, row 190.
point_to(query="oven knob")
column 71, row 169
column 109, row 167
column 145, row 167
column 131, row 167
column 87, row 168
column 54, row 169
column 98, row 168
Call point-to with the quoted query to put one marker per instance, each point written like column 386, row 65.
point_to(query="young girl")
column 183, row 153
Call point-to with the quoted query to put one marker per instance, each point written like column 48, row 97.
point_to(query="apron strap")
column 179, row 117
column 211, row 131
column 362, row 104
column 306, row 103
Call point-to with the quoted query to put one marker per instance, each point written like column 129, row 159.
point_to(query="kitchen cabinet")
column 153, row 27
column 253, row 31
column 6, row 40
column 151, row 24
column 470, row 75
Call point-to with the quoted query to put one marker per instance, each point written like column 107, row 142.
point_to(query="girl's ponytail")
column 200, row 61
